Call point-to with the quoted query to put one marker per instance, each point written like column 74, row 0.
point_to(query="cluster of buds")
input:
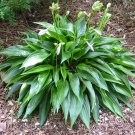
column 54, row 7
column 105, row 18
column 97, row 6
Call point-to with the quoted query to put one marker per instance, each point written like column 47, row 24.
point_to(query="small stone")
column 24, row 120
column 14, row 120
column 10, row 103
column 131, row 120
column 47, row 123
column 37, row 124
column 12, row 112
column 127, row 110
column 69, row 129
column 100, row 112
column 106, row 119
column 2, row 117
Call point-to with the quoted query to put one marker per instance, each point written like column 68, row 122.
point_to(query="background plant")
column 69, row 65
column 9, row 8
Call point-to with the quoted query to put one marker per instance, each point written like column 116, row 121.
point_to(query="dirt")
column 122, row 24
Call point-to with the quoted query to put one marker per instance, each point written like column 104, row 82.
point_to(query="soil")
column 122, row 24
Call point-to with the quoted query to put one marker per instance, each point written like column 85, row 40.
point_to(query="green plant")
column 69, row 65
column 8, row 8
column 6, row 13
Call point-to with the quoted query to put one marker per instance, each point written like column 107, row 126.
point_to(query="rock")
column 24, row 120
column 10, row 103
column 3, row 127
column 37, row 124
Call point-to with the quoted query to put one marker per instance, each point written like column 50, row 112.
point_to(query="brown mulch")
column 122, row 24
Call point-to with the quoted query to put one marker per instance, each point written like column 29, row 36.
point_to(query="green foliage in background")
column 69, row 65
column 9, row 8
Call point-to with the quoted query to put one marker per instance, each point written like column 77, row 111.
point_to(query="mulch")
column 122, row 24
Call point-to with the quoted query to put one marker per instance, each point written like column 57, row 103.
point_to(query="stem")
column 102, row 22
column 89, row 17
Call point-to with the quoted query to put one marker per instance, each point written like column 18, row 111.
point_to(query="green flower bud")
column 97, row 6
column 108, row 15
column 81, row 14
column 54, row 7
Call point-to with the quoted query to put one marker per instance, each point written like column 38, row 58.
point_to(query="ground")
column 122, row 24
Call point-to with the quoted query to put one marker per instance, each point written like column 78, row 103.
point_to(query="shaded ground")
column 121, row 24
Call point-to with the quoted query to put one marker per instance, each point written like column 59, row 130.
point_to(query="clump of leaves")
column 70, row 65
column 9, row 8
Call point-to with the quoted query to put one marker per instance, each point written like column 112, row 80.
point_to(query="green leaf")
column 123, row 69
column 75, row 108
column 124, row 100
column 56, row 33
column 132, row 84
column 66, row 106
column 44, row 108
column 80, row 26
column 47, row 45
column 38, row 83
column 110, row 78
column 10, row 61
column 38, row 69
column 110, row 69
column 124, row 78
column 65, row 56
column 11, row 74
column 95, row 111
column 63, row 72
column 59, row 94
column 35, row 58
column 91, row 92
column 13, row 89
column 99, row 80
column 92, row 55
column 122, row 90
column 116, row 104
column 68, row 27
column 85, row 112
column 106, row 40
column 75, row 84
column 106, row 68
column 107, row 101
column 17, row 50
column 23, row 91
column 56, row 76
column 34, row 102
column 21, row 109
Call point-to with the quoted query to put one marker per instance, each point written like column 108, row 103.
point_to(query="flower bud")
column 108, row 5
column 67, row 13
column 58, row 49
column 81, row 14
column 54, row 7
column 97, row 6
column 108, row 15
